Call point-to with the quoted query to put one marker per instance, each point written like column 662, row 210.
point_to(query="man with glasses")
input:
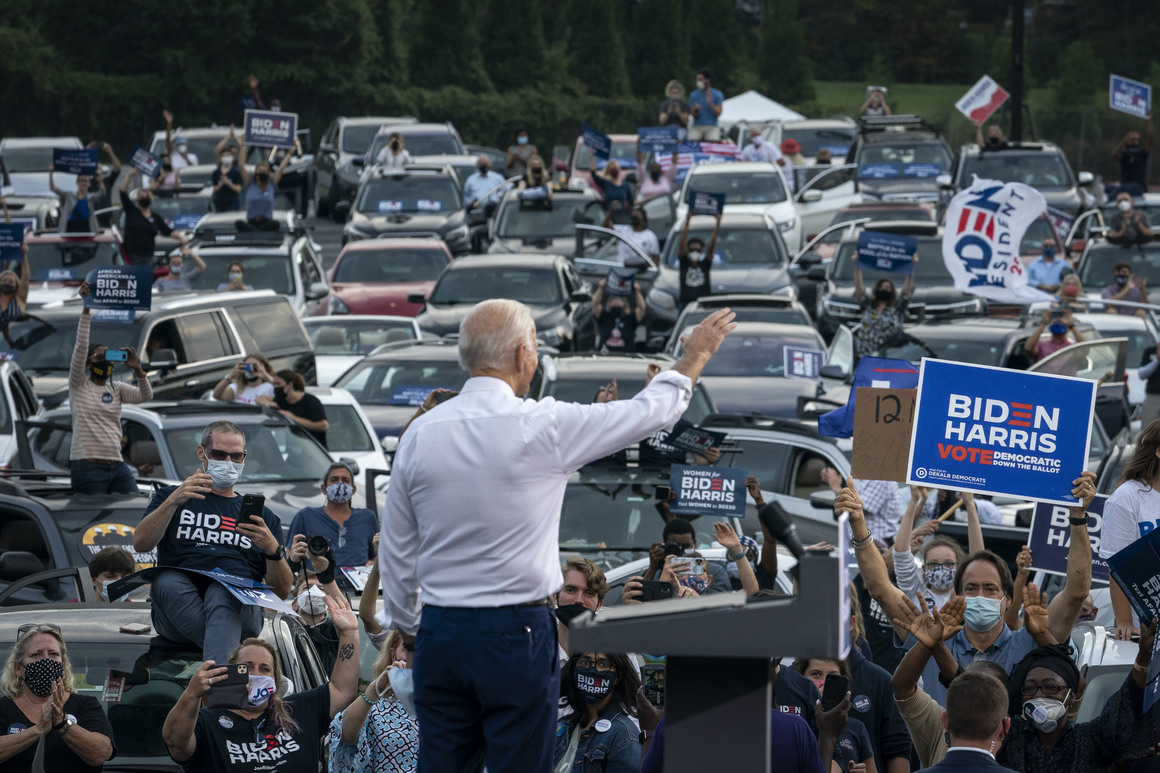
column 350, row 530
column 199, row 525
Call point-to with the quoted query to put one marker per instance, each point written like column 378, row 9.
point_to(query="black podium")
column 718, row 648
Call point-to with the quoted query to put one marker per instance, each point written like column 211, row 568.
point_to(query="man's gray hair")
column 225, row 427
column 491, row 332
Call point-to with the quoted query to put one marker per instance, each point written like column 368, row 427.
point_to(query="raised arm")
column 702, row 343
column 713, row 239
column 768, row 559
column 859, row 289
column 217, row 150
column 52, row 181
column 277, row 178
column 344, row 676
column 168, row 116
column 974, row 528
column 1023, row 561
column 181, row 722
column 1064, row 608
column 113, row 155
column 1031, row 345
column 25, row 277
column 241, row 161
column 78, row 364
column 368, row 602
column 905, row 572
column 685, row 232
column 729, row 540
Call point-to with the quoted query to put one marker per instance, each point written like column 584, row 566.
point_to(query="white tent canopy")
column 754, row 108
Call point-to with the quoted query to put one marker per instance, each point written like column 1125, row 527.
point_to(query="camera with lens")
column 318, row 545
column 673, row 549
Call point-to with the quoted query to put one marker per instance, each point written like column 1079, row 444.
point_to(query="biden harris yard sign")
column 999, row 431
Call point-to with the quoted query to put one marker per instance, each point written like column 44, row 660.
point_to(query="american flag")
column 689, row 153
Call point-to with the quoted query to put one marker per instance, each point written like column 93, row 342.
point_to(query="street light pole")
column 1016, row 70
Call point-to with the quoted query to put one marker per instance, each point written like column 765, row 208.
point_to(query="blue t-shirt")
column 706, row 117
column 352, row 542
column 203, row 534
column 260, row 203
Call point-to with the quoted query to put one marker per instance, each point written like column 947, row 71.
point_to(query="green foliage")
column 714, row 34
column 595, row 52
column 445, row 46
column 661, row 50
column 514, row 51
column 782, row 62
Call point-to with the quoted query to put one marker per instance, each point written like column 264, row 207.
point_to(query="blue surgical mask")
column 403, row 683
column 982, row 613
column 224, row 473
column 522, row 140
column 261, row 689
column 1058, row 328
column 340, row 492
column 105, row 589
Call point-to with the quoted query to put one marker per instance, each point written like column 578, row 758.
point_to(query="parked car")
column 342, row 340
column 58, row 263
column 623, row 152
column 341, row 158
column 36, row 212
column 899, row 158
column 18, row 403
column 537, row 225
column 1098, row 261
column 750, row 188
column 747, row 307
column 376, row 276
column 419, row 139
column 187, row 343
column 416, row 203
column 813, row 134
column 1042, row 165
column 27, row 159
column 560, row 302
column 351, row 436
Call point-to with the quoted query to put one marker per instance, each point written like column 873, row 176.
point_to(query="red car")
column 375, row 276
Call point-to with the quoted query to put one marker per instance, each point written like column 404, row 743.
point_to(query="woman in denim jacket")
column 597, row 736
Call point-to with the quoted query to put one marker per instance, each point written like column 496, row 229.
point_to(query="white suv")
column 749, row 187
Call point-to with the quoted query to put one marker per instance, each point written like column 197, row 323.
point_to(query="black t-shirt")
column 672, row 110
column 873, row 704
column 226, row 200
column 58, row 757
column 879, row 631
column 309, row 408
column 853, row 744
column 618, row 334
column 1134, row 165
column 203, row 535
column 141, row 232
column 230, row 743
column 695, row 278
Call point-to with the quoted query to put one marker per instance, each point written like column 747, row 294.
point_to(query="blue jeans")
column 100, row 478
column 486, row 687
column 213, row 620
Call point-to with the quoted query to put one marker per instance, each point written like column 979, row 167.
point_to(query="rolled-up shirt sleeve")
column 585, row 433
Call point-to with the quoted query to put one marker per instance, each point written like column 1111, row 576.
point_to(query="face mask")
column 8, row 289
column 757, row 141
column 594, row 685
column 227, row 161
column 655, row 174
column 1049, row 253
column 236, row 277
column 1070, row 291
column 311, row 601
column 103, row 370
column 167, row 167
column 262, row 177
column 483, row 170
column 537, row 170
column 1124, row 206
column 403, row 683
column 569, row 612
column 637, row 223
column 883, row 295
column 698, row 584
column 982, row 613
column 1044, row 713
column 700, row 85
column 175, row 270
column 261, row 689
column 992, row 141
column 224, row 473
column 182, row 148
column 1058, row 329
column 144, row 202
column 616, row 312
column 339, row 492
column 40, row 675
column 939, row 578
column 105, row 589
column 522, row 140
column 1120, row 280
column 1088, row 618
column 695, row 256
column 395, row 146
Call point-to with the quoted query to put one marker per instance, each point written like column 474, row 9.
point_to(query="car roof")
column 871, row 206
column 71, row 308
column 964, row 327
column 182, row 412
column 729, row 220
column 584, row 365
column 503, row 260
column 919, row 228
column 424, row 349
column 563, row 195
column 821, row 123
column 416, row 128
column 1013, row 149
column 331, row 395
column 613, row 137
column 40, row 142
column 335, row 319
column 908, row 137
column 774, row 330
column 734, row 167
column 371, row 120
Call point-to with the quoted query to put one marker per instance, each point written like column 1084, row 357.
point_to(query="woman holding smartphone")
column 250, row 379
column 97, row 466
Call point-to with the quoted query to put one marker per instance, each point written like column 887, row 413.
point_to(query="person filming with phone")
column 96, row 399
column 204, row 524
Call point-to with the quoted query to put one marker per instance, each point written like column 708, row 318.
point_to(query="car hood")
column 329, row 367
column 771, row 396
column 733, row 279
column 36, row 184
column 408, row 222
column 563, row 245
column 44, row 293
column 931, row 295
column 381, row 297
column 441, row 320
column 901, row 190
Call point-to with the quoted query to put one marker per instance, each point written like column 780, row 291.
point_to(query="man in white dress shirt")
column 471, row 531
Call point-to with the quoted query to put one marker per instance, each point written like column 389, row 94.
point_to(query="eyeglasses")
column 220, row 456
column 342, row 536
column 602, row 664
column 39, row 627
column 931, row 566
column 1049, row 688
column 990, row 591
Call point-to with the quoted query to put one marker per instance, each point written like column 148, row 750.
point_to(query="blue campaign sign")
column 247, row 591
column 390, row 205
column 718, row 491
column 120, row 287
column 1129, row 96
column 887, row 252
column 1136, row 569
column 997, row 431
column 144, row 162
column 623, row 285
column 878, row 171
column 185, row 222
column 707, row 203
column 877, row 372
column 271, row 128
column 56, row 274
column 538, row 193
column 801, row 362
column 686, row 437
column 74, row 161
column 411, row 394
column 11, row 239
column 661, row 140
column 115, row 316
column 599, row 144
column 921, row 171
column 1050, row 538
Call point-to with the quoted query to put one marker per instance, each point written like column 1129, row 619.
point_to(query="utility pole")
column 1016, row 70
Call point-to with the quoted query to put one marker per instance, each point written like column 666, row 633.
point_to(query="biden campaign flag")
column 984, row 225
column 871, row 372
column 981, row 102
column 998, row 431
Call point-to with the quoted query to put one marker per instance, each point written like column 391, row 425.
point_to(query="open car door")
column 1102, row 360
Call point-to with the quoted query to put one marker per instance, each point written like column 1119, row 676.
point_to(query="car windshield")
column 401, row 382
column 784, row 315
column 755, row 355
column 739, row 187
column 202, row 147
column 39, row 345
column 536, row 220
column 357, row 137
column 984, row 351
column 275, row 451
column 472, row 284
column 409, row 193
column 1045, row 171
column 748, row 247
column 623, row 153
column 573, row 389
column 930, row 268
column 181, row 212
column 1039, row 234
column 837, row 141
column 1098, row 265
column 418, row 145
column 262, row 271
column 921, row 160
column 47, row 259
column 26, row 160
column 346, row 432
column 342, row 336
column 399, row 264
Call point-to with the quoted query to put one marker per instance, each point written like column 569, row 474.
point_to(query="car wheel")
column 321, row 209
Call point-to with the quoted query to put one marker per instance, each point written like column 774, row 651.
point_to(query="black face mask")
column 101, row 370
column 655, row 174
column 566, row 614
column 484, row 170
column 616, row 312
column 1120, row 280
column 884, row 295
column 395, row 146
column 637, row 222
column 167, row 167
column 7, row 289
column 144, row 202
column 262, row 177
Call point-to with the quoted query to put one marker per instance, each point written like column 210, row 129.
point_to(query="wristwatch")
column 278, row 554
column 65, row 725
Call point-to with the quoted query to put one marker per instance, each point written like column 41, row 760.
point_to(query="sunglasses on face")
column 28, row 627
column 220, row 456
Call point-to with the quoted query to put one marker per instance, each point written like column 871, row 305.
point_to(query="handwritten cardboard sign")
column 883, row 419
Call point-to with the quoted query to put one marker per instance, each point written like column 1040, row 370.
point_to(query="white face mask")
column 311, row 601
column 227, row 161
column 261, row 689
column 403, row 683
column 224, row 473
column 695, row 256
column 1124, row 205
column 700, row 85
column 1045, row 713
column 757, row 140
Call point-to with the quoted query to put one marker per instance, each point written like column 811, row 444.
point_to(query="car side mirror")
column 655, row 345
column 637, row 262
column 1086, row 178
column 581, row 297
column 832, row 371
column 944, row 181
column 810, row 196
column 358, row 161
column 822, row 499
column 810, row 258
column 317, row 290
column 342, row 209
column 816, row 274
column 416, row 298
column 163, row 359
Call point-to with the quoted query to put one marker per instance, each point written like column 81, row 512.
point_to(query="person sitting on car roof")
column 995, row 139
column 1129, row 226
column 695, row 263
column 882, row 314
column 615, row 193
column 250, row 379
column 617, row 318
column 13, row 288
column 227, row 180
column 393, row 157
column 259, row 191
column 1126, row 286
column 142, row 225
column 77, row 213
